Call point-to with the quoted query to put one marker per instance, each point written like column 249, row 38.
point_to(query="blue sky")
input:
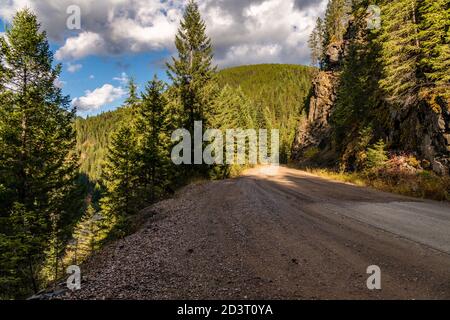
column 95, row 71
column 119, row 39
column 98, row 71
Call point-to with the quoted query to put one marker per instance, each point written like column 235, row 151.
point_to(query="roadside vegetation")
column 425, row 185
column 396, row 173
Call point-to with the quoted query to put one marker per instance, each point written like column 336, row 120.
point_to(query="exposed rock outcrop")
column 314, row 130
column 425, row 131
column 334, row 55
column 434, row 138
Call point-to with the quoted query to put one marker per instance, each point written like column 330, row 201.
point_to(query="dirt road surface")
column 278, row 234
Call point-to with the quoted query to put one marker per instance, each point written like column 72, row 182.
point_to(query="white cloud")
column 10, row 7
column 262, row 31
column 86, row 43
column 72, row 68
column 91, row 77
column 238, row 27
column 123, row 79
column 251, row 54
column 93, row 100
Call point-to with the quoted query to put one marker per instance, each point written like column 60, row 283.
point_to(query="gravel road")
column 278, row 234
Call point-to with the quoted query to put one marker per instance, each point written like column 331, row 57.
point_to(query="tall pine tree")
column 435, row 50
column 192, row 73
column 121, row 179
column 335, row 21
column 87, row 236
column 400, row 47
column 37, row 162
column 132, row 100
column 154, row 142
column 315, row 43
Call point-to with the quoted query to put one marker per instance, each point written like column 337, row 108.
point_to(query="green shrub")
column 376, row 155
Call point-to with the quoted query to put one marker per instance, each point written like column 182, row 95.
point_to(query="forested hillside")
column 276, row 92
column 93, row 138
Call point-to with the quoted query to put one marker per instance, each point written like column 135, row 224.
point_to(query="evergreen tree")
column 400, row 47
column 435, row 50
column 154, row 142
column 357, row 105
column 191, row 72
column 315, row 43
column 137, row 169
column 376, row 155
column 120, row 172
column 120, row 175
column 87, row 237
column 133, row 96
column 37, row 162
column 335, row 21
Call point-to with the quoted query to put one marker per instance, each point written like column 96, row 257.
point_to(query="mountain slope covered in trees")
column 93, row 138
column 277, row 92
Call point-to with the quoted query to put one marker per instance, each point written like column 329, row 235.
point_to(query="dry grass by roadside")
column 422, row 184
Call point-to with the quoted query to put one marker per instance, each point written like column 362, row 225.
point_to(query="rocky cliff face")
column 313, row 135
column 433, row 135
column 420, row 129
column 314, row 131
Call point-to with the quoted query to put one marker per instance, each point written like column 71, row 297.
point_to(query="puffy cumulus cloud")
column 94, row 100
column 261, row 31
column 109, row 27
column 243, row 31
column 84, row 44
column 9, row 8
